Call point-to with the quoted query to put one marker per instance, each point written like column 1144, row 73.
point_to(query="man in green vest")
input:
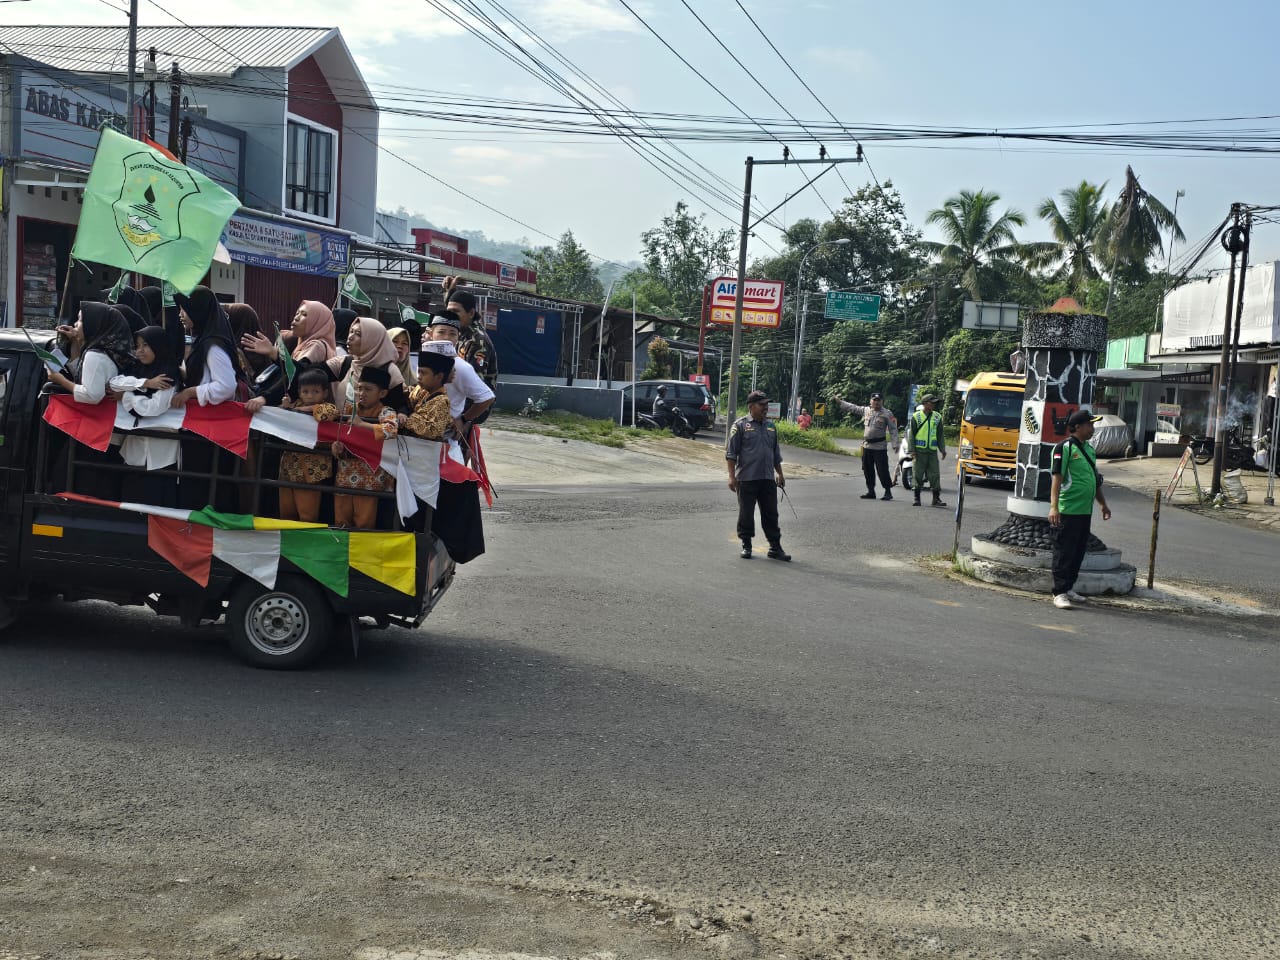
column 928, row 444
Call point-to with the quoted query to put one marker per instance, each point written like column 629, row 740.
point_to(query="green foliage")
column 565, row 270
column 574, row 426
column 960, row 356
column 682, row 254
column 978, row 244
column 814, row 438
column 662, row 361
column 1079, row 227
column 1138, row 220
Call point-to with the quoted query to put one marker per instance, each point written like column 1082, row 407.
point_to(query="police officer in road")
column 878, row 424
column 755, row 460
column 928, row 445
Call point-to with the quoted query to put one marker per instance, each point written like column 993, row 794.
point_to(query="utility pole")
column 184, row 139
column 1233, row 242
column 133, row 67
column 149, row 74
column 175, row 98
column 736, row 345
column 933, row 326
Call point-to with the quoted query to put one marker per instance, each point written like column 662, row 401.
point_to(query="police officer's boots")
column 777, row 553
column 746, row 550
column 937, row 499
column 916, row 502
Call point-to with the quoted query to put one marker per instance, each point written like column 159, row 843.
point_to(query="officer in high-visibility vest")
column 928, row 444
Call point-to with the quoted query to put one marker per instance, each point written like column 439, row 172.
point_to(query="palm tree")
column 1079, row 229
column 1138, row 221
column 977, row 242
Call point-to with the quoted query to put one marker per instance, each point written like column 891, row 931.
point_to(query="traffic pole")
column 735, row 348
column 1155, row 534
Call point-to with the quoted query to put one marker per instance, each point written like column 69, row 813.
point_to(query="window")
column 309, row 176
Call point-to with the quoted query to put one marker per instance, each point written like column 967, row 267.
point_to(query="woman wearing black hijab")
column 134, row 308
column 342, row 320
column 211, row 377
column 166, row 317
column 245, row 322
column 210, row 370
column 147, row 392
column 98, row 344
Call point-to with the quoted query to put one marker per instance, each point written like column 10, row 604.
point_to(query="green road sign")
column 853, row 306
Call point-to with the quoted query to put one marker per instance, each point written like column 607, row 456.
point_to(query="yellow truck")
column 989, row 427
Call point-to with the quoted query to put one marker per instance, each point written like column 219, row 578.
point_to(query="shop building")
column 263, row 121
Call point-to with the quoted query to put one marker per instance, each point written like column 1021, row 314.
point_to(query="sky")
column 984, row 64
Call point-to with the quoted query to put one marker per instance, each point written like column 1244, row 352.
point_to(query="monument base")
column 1019, row 554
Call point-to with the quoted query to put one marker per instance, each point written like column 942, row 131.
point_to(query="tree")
column 1079, row 229
column 661, row 361
column 1137, row 221
column 963, row 354
column 682, row 255
column 978, row 243
column 565, row 270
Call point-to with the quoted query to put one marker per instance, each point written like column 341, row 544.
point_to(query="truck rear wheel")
column 282, row 629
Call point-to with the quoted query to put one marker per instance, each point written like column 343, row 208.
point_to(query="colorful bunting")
column 191, row 540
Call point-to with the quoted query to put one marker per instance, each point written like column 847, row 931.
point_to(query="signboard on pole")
column 990, row 316
column 853, row 306
column 702, row 379
column 1171, row 410
column 775, row 410
column 761, row 302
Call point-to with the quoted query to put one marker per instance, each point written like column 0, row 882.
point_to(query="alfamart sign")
column 761, row 302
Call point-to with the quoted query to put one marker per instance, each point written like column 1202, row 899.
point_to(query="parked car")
column 694, row 401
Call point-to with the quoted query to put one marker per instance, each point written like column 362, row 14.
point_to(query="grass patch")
column 606, row 433
column 812, row 439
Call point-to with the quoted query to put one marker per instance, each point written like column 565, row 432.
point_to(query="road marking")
column 948, row 603
column 1054, row 626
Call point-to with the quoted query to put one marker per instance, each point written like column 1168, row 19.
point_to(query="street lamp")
column 794, row 400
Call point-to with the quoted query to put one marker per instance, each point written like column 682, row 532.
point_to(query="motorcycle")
column 1238, row 456
column 679, row 424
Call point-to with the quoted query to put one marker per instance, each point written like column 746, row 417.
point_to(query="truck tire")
column 282, row 629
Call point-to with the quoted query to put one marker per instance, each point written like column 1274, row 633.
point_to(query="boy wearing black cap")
column 353, row 473
column 1075, row 486
column 474, row 345
column 430, row 419
column 755, row 474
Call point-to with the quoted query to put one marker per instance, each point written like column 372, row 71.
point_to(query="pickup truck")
column 285, row 590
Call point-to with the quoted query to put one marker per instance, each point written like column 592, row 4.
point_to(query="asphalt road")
column 614, row 735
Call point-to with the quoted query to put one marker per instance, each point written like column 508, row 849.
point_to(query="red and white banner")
column 413, row 462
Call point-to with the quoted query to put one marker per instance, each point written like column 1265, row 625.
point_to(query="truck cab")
column 58, row 545
column 989, row 426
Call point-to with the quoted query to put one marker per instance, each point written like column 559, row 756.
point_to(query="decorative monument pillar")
column 1060, row 347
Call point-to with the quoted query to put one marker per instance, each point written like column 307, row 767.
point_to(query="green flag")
column 409, row 315
column 143, row 211
column 286, row 358
column 113, row 295
column 54, row 359
column 350, row 288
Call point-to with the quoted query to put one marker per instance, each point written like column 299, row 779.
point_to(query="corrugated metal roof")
column 198, row 50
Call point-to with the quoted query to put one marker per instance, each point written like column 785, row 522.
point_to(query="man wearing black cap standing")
column 877, row 424
column 755, row 459
column 928, row 444
column 1076, row 485
column 474, row 345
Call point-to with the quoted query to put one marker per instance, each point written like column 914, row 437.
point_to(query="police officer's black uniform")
column 753, row 451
